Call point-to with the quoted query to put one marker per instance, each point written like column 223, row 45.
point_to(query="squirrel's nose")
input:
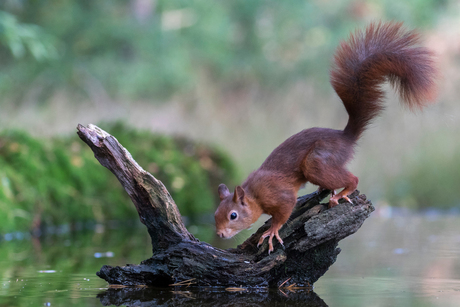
column 220, row 234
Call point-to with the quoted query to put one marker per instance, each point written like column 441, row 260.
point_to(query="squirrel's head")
column 234, row 212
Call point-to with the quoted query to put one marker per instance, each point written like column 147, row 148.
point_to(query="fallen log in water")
column 310, row 236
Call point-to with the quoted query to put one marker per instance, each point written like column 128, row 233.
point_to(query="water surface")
column 401, row 260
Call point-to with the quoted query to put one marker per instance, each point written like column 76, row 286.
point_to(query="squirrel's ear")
column 223, row 191
column 239, row 194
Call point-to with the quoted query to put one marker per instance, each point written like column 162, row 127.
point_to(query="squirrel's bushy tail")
column 384, row 51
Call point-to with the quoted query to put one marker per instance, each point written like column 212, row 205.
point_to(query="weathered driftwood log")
column 310, row 237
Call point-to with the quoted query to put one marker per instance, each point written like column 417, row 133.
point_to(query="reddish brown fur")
column 363, row 63
column 319, row 155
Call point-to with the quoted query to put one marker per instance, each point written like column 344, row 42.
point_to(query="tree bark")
column 310, row 237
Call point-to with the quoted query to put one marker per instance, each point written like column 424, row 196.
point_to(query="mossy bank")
column 58, row 181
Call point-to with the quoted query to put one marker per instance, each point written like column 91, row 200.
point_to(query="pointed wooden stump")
column 310, row 237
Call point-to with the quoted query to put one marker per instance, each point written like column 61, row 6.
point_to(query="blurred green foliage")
column 21, row 37
column 137, row 49
column 58, row 181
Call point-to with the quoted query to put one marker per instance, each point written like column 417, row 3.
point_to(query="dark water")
column 402, row 260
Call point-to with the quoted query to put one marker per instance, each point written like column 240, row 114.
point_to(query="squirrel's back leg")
column 351, row 186
column 326, row 169
column 333, row 178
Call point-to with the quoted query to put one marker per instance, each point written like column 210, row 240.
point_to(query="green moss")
column 58, row 181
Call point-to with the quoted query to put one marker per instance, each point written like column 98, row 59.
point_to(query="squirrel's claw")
column 282, row 246
column 334, row 200
column 347, row 199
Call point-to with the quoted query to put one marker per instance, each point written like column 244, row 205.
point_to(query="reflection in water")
column 208, row 297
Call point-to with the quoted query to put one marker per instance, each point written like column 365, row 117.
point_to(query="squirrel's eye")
column 233, row 216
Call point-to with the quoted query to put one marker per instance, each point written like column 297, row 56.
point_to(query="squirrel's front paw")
column 270, row 233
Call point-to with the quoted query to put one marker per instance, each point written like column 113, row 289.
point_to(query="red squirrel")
column 384, row 51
